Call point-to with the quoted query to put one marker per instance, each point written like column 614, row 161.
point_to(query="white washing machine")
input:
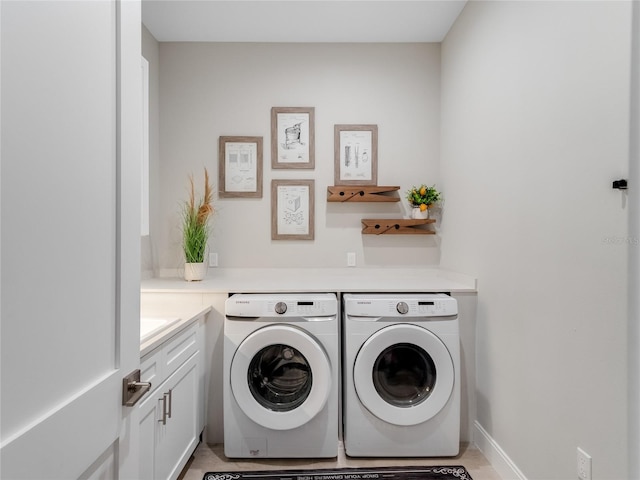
column 281, row 375
column 401, row 375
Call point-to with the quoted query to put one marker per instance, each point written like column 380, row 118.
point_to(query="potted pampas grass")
column 195, row 229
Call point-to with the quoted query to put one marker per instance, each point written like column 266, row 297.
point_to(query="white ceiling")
column 300, row 20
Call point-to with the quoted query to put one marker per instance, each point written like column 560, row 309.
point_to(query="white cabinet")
column 171, row 416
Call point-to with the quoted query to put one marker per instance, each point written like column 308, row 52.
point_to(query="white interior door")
column 70, row 226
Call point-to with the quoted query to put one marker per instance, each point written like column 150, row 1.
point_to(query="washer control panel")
column 281, row 305
column 400, row 305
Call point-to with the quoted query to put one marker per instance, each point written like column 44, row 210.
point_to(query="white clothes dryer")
column 281, row 375
column 401, row 375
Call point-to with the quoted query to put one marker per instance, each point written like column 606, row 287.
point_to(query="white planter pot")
column 417, row 214
column 195, row 271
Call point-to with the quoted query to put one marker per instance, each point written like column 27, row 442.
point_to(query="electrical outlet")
column 351, row 259
column 213, row 259
column 584, row 465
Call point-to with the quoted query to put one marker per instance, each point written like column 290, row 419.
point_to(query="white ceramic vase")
column 194, row 272
column 418, row 214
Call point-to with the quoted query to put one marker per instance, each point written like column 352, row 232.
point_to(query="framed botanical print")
column 292, row 209
column 355, row 154
column 292, row 137
column 240, row 167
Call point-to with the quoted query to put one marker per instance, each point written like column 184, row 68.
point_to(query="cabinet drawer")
column 157, row 365
column 178, row 349
column 151, row 368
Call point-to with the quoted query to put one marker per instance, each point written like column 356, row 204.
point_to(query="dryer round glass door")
column 404, row 374
column 280, row 377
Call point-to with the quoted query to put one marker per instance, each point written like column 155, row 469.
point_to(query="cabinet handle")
column 170, row 401
column 163, row 420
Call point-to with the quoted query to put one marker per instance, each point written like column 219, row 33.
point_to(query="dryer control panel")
column 400, row 305
column 282, row 305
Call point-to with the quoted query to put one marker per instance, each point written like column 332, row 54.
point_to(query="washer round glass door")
column 280, row 377
column 404, row 374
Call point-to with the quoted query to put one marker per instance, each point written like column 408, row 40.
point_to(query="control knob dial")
column 402, row 308
column 281, row 307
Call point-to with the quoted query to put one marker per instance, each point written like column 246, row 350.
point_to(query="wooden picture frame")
column 293, row 137
column 355, row 154
column 240, row 167
column 292, row 209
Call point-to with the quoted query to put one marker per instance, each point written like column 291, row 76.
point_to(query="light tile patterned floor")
column 210, row 458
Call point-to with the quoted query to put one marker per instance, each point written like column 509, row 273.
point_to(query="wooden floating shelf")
column 362, row 193
column 392, row 226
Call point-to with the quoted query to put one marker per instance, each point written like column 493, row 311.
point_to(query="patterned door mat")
column 456, row 472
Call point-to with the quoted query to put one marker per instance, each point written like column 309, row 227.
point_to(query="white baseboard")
column 497, row 457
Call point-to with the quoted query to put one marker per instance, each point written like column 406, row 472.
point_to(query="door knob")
column 133, row 389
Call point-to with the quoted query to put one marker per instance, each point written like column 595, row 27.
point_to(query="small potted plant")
column 195, row 229
column 421, row 199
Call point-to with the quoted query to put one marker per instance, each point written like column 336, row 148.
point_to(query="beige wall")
column 151, row 52
column 534, row 127
column 535, row 99
column 634, row 253
column 209, row 90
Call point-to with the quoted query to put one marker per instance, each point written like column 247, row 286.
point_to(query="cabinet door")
column 149, row 414
column 178, row 437
column 202, row 372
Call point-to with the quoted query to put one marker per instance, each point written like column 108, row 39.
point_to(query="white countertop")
column 187, row 314
column 257, row 280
